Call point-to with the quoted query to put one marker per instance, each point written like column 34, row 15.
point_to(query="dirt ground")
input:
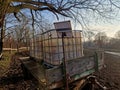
column 110, row 75
column 13, row 78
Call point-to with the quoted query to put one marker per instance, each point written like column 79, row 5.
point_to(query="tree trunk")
column 1, row 48
column 3, row 9
column 2, row 35
column 1, row 44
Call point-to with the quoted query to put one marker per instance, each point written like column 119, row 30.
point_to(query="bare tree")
column 22, row 33
column 115, row 42
column 117, row 34
column 76, row 9
column 101, row 39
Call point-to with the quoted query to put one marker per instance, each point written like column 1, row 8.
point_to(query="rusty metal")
column 64, row 63
column 94, row 81
column 91, row 81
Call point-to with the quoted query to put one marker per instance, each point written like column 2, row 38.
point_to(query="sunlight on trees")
column 79, row 10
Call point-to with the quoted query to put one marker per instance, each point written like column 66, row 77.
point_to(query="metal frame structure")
column 62, row 53
column 48, row 46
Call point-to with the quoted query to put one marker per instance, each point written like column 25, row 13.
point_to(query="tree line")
column 78, row 10
column 101, row 40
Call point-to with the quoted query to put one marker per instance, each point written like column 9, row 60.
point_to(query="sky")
column 94, row 25
column 110, row 27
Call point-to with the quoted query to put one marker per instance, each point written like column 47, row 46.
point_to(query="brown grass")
column 5, row 62
column 110, row 75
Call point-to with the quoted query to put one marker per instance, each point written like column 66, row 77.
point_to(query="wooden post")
column 96, row 61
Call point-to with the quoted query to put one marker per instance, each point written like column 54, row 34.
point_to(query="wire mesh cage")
column 49, row 46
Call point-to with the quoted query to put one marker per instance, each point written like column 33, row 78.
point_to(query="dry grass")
column 110, row 75
column 5, row 62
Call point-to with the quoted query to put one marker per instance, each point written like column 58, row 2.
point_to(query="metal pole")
column 64, row 63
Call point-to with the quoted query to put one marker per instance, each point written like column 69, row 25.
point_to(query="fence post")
column 96, row 61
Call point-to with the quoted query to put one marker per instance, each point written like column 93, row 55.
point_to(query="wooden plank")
column 36, row 70
column 76, row 68
column 80, row 65
column 54, row 75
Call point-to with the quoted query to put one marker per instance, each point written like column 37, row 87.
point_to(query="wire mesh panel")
column 53, row 46
column 49, row 46
column 32, row 48
column 36, row 47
